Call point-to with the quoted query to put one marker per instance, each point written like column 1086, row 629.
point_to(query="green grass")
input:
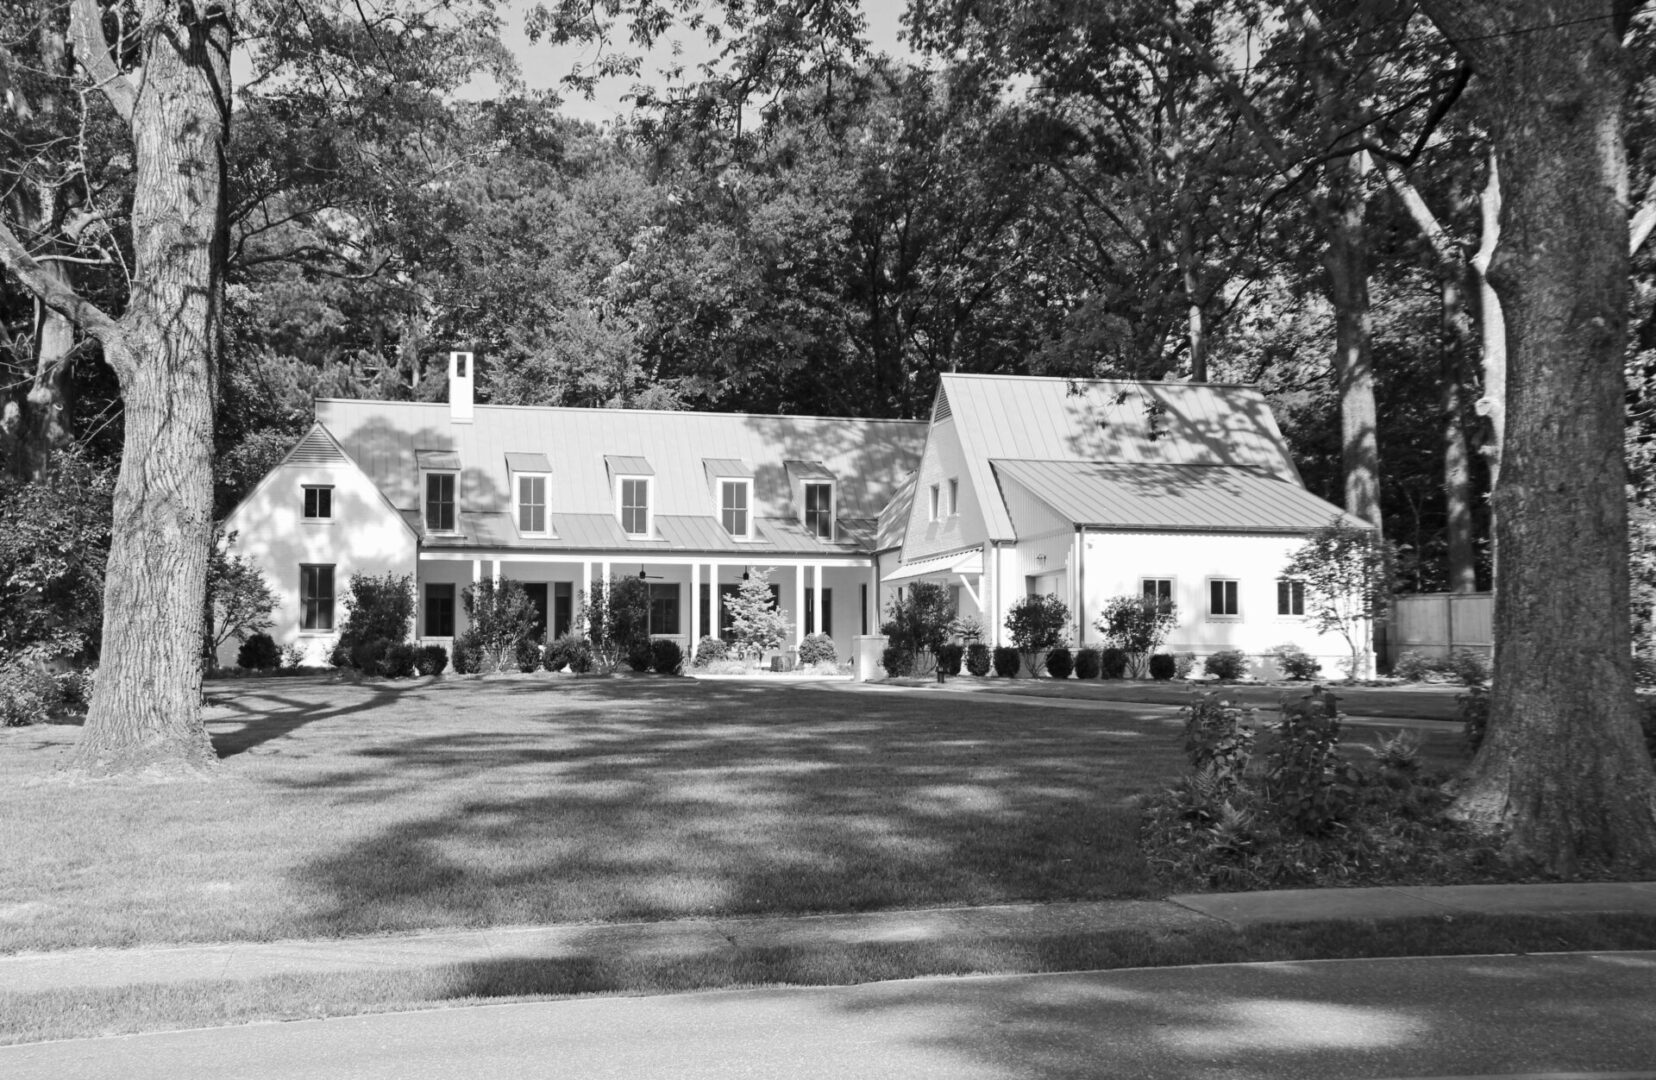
column 350, row 809
column 87, row 1013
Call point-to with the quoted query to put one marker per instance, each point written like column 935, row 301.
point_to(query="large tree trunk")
column 1491, row 322
column 1457, row 464
column 1563, row 768
column 146, row 710
column 1345, row 258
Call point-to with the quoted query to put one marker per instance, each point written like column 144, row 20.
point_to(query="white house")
column 1015, row 485
column 1095, row 489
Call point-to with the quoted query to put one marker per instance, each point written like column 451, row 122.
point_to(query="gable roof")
column 1008, row 417
column 1200, row 498
column 317, row 446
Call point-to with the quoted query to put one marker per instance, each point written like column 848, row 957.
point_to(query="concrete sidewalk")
column 106, row 968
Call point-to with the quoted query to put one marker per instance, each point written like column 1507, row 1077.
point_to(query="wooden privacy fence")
column 1437, row 624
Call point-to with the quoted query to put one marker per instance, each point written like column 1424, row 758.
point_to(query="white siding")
column 942, row 461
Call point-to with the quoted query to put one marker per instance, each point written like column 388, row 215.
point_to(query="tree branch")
column 54, row 294
column 1448, row 252
column 1643, row 222
column 92, row 53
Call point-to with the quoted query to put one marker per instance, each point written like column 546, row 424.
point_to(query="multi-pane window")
column 819, row 510
column 439, row 610
column 538, row 598
column 635, row 507
column 1222, row 598
column 1159, row 589
column 733, row 506
column 318, row 502
column 1290, row 597
column 316, row 597
column 563, row 607
column 439, row 502
column 664, row 608
column 531, row 515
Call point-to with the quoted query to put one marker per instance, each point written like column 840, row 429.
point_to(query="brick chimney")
column 462, row 369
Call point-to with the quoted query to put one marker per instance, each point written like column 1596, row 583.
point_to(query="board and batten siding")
column 943, row 460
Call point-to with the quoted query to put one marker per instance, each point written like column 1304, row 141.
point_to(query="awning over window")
column 622, row 465
column 530, row 463
column 437, row 459
column 961, row 562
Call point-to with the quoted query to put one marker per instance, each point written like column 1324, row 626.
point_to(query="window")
column 439, row 610
column 664, row 608
column 819, row 510
column 935, row 503
column 1222, row 597
column 733, row 506
column 440, row 502
column 531, row 503
column 1158, row 588
column 316, row 597
column 536, row 591
column 563, row 607
column 827, row 626
column 1290, row 597
column 635, row 507
column 954, row 497
column 318, row 502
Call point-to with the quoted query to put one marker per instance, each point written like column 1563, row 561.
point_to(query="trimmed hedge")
column 1006, row 661
column 398, row 662
column 259, row 653
column 1162, row 667
column 817, row 649
column 977, row 659
column 897, row 661
column 1087, row 664
column 667, row 656
column 430, row 659
column 641, row 655
column 949, row 658
column 709, row 649
column 528, row 655
column 1060, row 663
column 1113, row 661
column 1226, row 664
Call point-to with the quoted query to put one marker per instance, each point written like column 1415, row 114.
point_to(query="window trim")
column 621, row 481
column 1299, row 586
column 546, row 503
column 425, row 501
column 1214, row 616
column 319, row 519
column 453, row 599
column 833, row 508
column 954, row 496
column 678, row 608
column 935, row 506
column 333, row 600
column 746, row 483
column 1172, row 587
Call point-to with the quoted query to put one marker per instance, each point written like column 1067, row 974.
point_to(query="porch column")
column 606, row 565
column 816, row 595
column 799, row 603
column 585, row 592
column 693, row 634
column 495, row 573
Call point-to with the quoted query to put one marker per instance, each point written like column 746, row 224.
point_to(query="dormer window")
column 635, row 505
column 819, row 510
column 318, row 502
column 734, row 499
column 531, row 483
column 439, row 501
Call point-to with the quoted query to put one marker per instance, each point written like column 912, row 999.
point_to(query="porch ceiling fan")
column 642, row 576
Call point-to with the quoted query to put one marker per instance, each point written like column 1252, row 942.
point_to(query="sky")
column 544, row 65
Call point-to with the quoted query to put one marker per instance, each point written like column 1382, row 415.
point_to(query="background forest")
column 1288, row 194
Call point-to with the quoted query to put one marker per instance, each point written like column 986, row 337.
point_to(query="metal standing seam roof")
column 808, row 470
column 1205, row 498
column 1120, row 422
column 623, row 465
column 531, row 463
column 676, row 534
column 729, row 468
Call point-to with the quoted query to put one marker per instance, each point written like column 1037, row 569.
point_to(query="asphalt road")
column 1553, row 1016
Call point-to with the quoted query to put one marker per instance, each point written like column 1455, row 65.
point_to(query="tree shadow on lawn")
column 271, row 716
column 636, row 800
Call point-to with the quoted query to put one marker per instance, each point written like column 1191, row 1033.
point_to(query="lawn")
column 349, row 809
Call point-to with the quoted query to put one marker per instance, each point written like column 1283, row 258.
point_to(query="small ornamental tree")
column 757, row 625
column 617, row 618
column 920, row 620
column 500, row 615
column 377, row 608
column 1036, row 624
column 1137, row 625
column 239, row 600
column 1348, row 575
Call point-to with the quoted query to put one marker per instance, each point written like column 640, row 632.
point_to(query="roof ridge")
column 1098, row 382
column 637, row 412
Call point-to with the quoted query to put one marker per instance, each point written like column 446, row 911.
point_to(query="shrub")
column 668, row 656
column 641, row 654
column 919, row 619
column 1112, row 664
column 1218, row 738
column 569, row 651
column 1059, row 663
column 468, row 655
column 1162, row 667
column 366, row 655
column 1295, row 662
column 1473, row 709
column 293, row 657
column 528, row 655
column 897, row 661
column 1469, row 667
column 1226, row 664
column 817, row 649
column 376, row 609
column 430, row 659
column 968, row 628
column 977, row 659
column 399, row 661
column 1183, row 664
column 1006, row 661
column 1087, row 664
column 709, row 649
column 1413, row 667
column 27, row 693
column 239, row 600
column 74, row 689
column 258, row 653
column 1036, row 624
column 1137, row 625
column 499, row 615
column 1309, row 785
column 949, row 659
column 339, row 656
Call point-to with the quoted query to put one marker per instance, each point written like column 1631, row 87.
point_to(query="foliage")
column 1112, row 663
column 377, row 608
column 259, row 653
column 1469, row 667
column 293, row 656
column 977, row 659
column 1308, row 782
column 1472, row 708
column 949, row 659
column 1183, row 664
column 1162, row 667
column 431, row 659
column 366, row 656
column 528, row 655
column 239, row 600
column 818, row 649
column 967, row 628
column 1088, row 664
column 1059, row 663
column 27, row 692
column 499, row 617
column 757, row 626
column 468, row 655
column 668, row 657
column 897, row 661
column 1218, row 739
column 1137, row 625
column 1226, row 664
column 1295, row 662
column 1036, row 624
column 1349, row 573
column 400, row 661
column 641, row 655
column 1006, row 661
column 54, row 542
column 1463, row 664
column 920, row 618
column 569, row 650
column 709, row 649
